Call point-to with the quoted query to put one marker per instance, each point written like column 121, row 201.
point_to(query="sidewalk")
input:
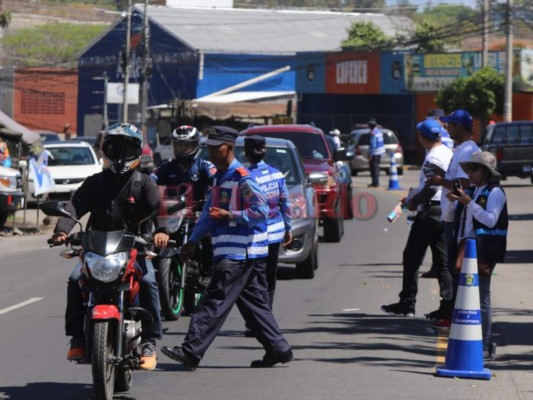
column 35, row 222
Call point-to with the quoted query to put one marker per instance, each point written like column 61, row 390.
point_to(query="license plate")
column 526, row 168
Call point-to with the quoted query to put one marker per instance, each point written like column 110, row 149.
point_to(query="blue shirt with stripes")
column 273, row 184
column 245, row 236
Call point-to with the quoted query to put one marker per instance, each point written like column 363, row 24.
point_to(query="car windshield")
column 310, row 145
column 70, row 156
column 280, row 158
column 388, row 138
column 49, row 137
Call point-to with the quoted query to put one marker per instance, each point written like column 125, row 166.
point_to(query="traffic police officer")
column 235, row 214
column 376, row 149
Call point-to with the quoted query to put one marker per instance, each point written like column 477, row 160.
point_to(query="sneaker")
column 77, row 349
column 399, row 309
column 269, row 360
column 148, row 357
column 177, row 354
column 438, row 315
column 443, row 323
column 430, row 274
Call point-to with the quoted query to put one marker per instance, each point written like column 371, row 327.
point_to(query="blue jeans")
column 374, row 169
column 484, row 302
column 149, row 299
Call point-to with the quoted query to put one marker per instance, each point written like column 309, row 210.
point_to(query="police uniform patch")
column 195, row 176
column 247, row 191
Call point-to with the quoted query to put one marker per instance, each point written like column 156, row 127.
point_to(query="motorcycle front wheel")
column 102, row 354
column 171, row 290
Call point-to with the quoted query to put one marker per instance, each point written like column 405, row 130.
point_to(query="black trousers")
column 272, row 270
column 374, row 169
column 234, row 282
column 427, row 231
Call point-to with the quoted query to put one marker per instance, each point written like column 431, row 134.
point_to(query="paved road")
column 345, row 347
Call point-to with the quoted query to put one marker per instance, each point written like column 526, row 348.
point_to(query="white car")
column 69, row 164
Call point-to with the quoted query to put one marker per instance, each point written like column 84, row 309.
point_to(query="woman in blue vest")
column 482, row 215
column 272, row 182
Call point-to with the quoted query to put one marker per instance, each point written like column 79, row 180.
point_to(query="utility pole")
column 485, row 42
column 146, row 61
column 127, row 66
column 106, row 118
column 508, row 93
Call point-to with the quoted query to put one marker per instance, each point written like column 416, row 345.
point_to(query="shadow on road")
column 521, row 217
column 49, row 391
column 519, row 257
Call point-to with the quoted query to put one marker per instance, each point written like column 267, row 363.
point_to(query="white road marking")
column 20, row 305
column 350, row 309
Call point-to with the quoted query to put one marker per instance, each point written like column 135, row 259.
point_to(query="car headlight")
column 8, row 181
column 106, row 269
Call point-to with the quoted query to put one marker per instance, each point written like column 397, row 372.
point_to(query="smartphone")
column 456, row 184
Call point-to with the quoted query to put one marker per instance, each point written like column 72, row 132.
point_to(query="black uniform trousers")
column 243, row 283
column 427, row 231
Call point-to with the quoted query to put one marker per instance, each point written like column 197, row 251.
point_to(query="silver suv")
column 359, row 141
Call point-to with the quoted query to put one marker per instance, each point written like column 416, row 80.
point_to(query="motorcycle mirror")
column 55, row 209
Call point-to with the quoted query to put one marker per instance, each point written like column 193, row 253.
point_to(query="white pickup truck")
column 11, row 194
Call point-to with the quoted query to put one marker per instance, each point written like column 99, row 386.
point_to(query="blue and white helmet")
column 122, row 148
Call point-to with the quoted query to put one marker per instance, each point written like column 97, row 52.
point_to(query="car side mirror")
column 317, row 178
column 343, row 154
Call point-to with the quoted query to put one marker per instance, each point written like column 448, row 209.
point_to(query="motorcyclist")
column 110, row 198
column 188, row 170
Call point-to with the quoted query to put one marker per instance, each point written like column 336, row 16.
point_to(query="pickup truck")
column 11, row 194
column 512, row 144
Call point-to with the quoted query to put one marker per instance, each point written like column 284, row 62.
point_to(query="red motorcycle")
column 110, row 284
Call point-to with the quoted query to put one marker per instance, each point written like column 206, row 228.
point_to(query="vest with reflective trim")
column 232, row 240
column 271, row 182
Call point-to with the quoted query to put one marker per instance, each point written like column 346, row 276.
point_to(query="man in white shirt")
column 460, row 127
column 427, row 229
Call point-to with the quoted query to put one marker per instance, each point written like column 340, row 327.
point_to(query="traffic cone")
column 393, row 180
column 464, row 355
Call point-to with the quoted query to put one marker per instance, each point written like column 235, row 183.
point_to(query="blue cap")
column 460, row 117
column 218, row 135
column 430, row 129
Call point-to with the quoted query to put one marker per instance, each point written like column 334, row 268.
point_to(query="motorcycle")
column 110, row 285
column 180, row 285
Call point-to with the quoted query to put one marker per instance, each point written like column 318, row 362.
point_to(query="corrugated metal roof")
column 265, row 31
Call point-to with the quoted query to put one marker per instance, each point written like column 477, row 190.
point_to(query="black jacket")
column 112, row 203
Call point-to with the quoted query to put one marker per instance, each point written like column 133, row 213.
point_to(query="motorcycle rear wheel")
column 170, row 289
column 103, row 370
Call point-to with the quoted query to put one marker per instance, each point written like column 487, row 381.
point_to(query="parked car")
column 89, row 139
column 69, row 164
column 47, row 137
column 282, row 154
column 359, row 141
column 334, row 197
column 163, row 152
column 512, row 144
column 11, row 194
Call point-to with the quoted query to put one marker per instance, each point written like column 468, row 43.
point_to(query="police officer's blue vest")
column 271, row 182
column 379, row 147
column 232, row 240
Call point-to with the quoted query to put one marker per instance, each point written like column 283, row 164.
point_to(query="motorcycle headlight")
column 106, row 269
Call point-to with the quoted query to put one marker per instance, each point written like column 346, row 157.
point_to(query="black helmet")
column 122, row 148
column 185, row 143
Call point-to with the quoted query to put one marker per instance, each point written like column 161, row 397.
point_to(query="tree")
column 427, row 39
column 482, row 94
column 366, row 35
column 5, row 16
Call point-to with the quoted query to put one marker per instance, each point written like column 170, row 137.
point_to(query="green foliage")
column 482, row 94
column 5, row 19
column 50, row 44
column 427, row 39
column 366, row 35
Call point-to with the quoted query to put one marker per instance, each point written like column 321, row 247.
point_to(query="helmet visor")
column 184, row 147
column 121, row 150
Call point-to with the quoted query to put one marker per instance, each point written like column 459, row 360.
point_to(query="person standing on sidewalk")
column 483, row 216
column 235, row 214
column 427, row 229
column 460, row 127
column 376, row 149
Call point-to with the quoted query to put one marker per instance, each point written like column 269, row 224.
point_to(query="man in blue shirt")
column 235, row 214
column 376, row 149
